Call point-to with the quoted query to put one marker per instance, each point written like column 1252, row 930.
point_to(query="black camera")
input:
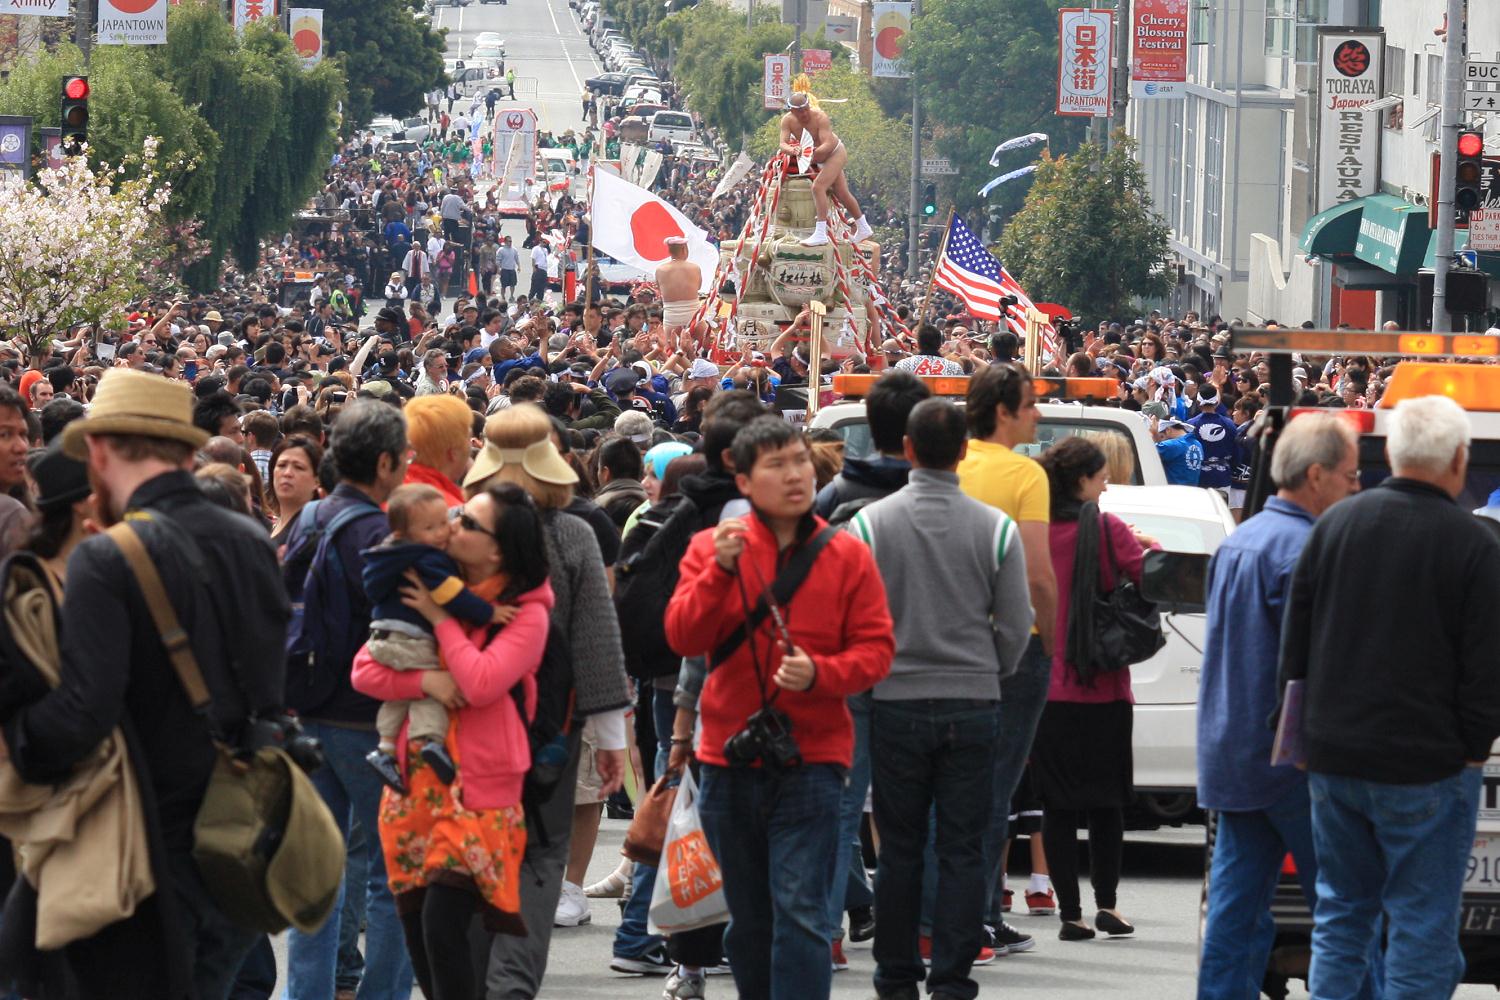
column 284, row 732
column 767, row 737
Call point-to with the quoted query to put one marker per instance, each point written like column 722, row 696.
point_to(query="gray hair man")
column 1391, row 628
column 1263, row 812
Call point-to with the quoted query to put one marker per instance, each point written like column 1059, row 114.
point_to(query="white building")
column 1230, row 165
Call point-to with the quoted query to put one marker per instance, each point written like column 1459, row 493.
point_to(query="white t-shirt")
column 539, row 257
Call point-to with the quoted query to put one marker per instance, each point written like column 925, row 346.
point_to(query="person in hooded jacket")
column 890, row 400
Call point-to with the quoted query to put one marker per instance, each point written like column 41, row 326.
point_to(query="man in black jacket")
column 220, row 575
column 1391, row 625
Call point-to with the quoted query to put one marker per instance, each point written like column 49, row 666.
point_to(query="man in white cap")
column 829, row 156
column 679, row 280
column 701, row 372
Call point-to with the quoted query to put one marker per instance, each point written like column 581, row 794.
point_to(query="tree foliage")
column 391, row 59
column 1088, row 237
column 986, row 71
column 719, row 62
column 276, row 123
column 879, row 146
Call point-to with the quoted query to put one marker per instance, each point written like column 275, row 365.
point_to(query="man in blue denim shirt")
column 1264, row 811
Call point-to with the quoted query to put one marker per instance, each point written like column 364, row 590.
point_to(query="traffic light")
column 929, row 200
column 1468, row 191
column 75, row 113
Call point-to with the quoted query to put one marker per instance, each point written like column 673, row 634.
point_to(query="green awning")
column 1488, row 262
column 1393, row 234
column 1333, row 230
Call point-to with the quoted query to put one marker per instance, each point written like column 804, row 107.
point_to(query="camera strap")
column 783, row 589
column 163, row 615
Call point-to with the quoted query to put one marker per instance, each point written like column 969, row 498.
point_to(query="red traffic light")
column 76, row 88
column 1470, row 144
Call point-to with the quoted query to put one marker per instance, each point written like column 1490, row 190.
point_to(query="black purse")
column 1127, row 627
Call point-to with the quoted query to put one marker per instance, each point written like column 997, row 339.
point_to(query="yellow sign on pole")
column 1036, row 320
column 815, row 357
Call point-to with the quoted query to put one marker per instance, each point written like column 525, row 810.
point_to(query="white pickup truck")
column 1183, row 519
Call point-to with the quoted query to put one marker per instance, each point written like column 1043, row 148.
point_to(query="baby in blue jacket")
column 402, row 639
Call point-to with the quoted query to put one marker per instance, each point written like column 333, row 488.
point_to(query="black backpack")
column 645, row 576
column 549, row 729
column 844, row 512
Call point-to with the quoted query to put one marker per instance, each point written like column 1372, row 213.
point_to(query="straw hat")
column 540, row 458
column 133, row 402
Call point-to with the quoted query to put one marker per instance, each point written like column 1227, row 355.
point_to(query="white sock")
column 861, row 223
column 1004, row 882
column 1039, row 883
column 821, row 228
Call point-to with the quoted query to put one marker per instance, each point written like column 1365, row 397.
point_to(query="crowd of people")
column 432, row 518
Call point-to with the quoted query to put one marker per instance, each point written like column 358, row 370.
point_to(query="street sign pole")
column 1453, row 74
column 914, row 225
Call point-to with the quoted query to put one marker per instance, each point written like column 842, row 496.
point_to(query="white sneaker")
column 862, row 230
column 819, row 238
column 572, row 907
column 683, row 985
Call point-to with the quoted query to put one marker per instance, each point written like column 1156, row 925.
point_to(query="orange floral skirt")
column 428, row 838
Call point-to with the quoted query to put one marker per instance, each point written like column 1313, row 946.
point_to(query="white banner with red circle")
column 305, row 25
column 132, row 22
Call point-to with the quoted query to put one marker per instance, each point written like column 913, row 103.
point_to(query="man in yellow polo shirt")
column 1001, row 411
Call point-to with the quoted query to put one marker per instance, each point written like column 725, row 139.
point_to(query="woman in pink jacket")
column 446, row 845
column 1081, row 758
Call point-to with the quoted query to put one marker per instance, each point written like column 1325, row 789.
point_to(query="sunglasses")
column 467, row 522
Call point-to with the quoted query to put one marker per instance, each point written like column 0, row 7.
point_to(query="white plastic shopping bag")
column 689, row 890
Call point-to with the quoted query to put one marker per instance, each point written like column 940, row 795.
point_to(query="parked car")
column 614, row 276
column 416, row 129
column 493, row 55
column 489, row 38
column 673, row 126
column 611, row 84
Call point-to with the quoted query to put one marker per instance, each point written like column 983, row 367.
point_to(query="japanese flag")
column 632, row 225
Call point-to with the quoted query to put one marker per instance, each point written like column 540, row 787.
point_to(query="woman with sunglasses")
column 447, row 846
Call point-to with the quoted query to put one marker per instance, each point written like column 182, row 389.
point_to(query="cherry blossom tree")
column 77, row 244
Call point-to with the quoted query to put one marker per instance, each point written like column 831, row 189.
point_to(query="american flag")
column 972, row 273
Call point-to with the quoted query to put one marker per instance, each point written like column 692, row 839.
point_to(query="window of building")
column 1174, row 163
column 1395, row 70
column 1281, row 23
column 1213, row 179
column 1310, row 14
column 1190, row 130
column 1434, row 80
column 1292, row 28
column 1201, row 23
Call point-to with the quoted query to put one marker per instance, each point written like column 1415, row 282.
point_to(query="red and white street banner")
column 777, row 83
column 35, row 8
column 246, row 11
column 1159, row 41
column 890, row 23
column 633, row 225
column 306, row 26
column 1085, row 85
column 816, row 60
column 132, row 22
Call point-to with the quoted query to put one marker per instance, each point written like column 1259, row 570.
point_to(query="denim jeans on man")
column 1023, row 695
column 931, row 754
column 1239, row 933
column 352, row 790
column 775, row 835
column 851, row 811
column 1400, row 849
column 632, row 939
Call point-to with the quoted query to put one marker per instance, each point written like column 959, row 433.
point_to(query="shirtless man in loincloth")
column 679, row 280
column 829, row 156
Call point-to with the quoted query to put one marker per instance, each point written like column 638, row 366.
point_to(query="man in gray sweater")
column 955, row 578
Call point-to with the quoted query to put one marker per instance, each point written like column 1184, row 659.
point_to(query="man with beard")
column 219, row 573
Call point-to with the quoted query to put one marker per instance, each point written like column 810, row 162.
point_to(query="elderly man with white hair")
column 1392, row 628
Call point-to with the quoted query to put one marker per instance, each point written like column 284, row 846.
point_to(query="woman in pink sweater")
column 444, row 845
column 1081, row 759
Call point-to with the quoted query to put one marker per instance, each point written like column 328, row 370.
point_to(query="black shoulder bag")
column 1126, row 627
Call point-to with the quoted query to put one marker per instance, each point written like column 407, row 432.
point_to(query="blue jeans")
column 351, row 964
column 1023, row 695
column 851, row 810
column 1239, row 934
column 632, row 939
column 928, row 755
column 352, row 790
column 775, row 837
column 1401, row 849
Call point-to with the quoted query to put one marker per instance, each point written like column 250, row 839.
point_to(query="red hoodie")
column 494, row 752
column 838, row 616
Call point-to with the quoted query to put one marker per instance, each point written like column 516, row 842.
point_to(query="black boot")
column 436, row 756
column 388, row 768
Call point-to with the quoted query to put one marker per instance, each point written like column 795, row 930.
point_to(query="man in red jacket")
column 770, row 806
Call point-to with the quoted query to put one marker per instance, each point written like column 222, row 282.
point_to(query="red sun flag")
column 307, row 43
column 132, row 6
column 651, row 226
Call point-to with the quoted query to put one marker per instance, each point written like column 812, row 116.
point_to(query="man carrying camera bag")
column 218, row 573
column 792, row 617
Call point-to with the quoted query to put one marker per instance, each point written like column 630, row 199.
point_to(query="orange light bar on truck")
column 1363, row 421
column 858, row 386
column 1474, row 387
column 1380, row 343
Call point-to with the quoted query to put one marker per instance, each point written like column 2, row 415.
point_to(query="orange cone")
column 473, row 283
